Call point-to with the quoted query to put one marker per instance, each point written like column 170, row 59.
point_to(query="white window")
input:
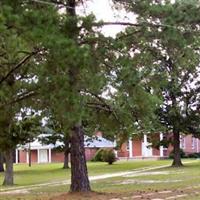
column 182, row 142
column 193, row 143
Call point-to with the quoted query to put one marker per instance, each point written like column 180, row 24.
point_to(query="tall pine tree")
column 167, row 34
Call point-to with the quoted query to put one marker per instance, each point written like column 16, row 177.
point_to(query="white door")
column 146, row 150
column 43, row 156
column 149, row 151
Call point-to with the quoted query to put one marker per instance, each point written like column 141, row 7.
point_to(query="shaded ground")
column 185, row 193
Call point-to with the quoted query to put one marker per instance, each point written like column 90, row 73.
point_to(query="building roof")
column 89, row 142
column 97, row 142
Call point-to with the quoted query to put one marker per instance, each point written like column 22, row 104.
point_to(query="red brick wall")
column 22, row 156
column 137, row 147
column 156, row 152
column 90, row 152
column 34, row 156
column 57, row 156
column 122, row 152
column 189, row 148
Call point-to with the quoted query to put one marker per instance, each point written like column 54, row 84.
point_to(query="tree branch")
column 99, row 107
column 104, row 106
column 23, row 96
column 17, row 66
column 115, row 23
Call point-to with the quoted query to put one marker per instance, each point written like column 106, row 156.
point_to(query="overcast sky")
column 104, row 10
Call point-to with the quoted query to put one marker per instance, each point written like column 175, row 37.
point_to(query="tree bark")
column 177, row 156
column 79, row 173
column 66, row 160
column 1, row 162
column 66, row 154
column 29, row 156
column 8, row 179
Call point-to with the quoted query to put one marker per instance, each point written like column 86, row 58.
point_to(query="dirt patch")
column 84, row 196
column 131, row 181
column 148, row 173
column 138, row 195
column 24, row 191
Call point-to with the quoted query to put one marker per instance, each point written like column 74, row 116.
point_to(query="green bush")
column 98, row 157
column 109, row 156
column 194, row 155
column 182, row 154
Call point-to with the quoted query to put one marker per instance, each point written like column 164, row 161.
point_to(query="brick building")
column 41, row 153
column 134, row 148
column 141, row 148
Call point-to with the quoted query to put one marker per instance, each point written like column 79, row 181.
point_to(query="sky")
column 104, row 10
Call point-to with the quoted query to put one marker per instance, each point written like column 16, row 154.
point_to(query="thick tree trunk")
column 177, row 156
column 79, row 174
column 1, row 162
column 8, row 179
column 66, row 159
column 29, row 156
column 66, row 152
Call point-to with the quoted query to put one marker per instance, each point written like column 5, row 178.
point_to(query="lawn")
column 183, row 183
column 42, row 173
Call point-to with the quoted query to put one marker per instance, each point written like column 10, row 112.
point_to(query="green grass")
column 38, row 173
column 186, row 176
column 41, row 173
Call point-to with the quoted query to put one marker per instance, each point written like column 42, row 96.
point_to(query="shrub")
column 182, row 154
column 194, row 155
column 98, row 157
column 109, row 156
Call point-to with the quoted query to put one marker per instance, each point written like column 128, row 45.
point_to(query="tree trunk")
column 29, row 156
column 177, row 156
column 8, row 179
column 66, row 155
column 66, row 160
column 1, row 162
column 79, row 174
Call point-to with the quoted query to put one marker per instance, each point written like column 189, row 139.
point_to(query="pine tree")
column 167, row 34
column 17, row 87
column 71, row 70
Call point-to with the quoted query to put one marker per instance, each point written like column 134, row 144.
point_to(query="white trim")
column 115, row 143
column 130, row 143
column 43, row 156
column 35, row 147
column 146, row 150
column 49, row 155
column 161, row 147
column 145, row 145
column 193, row 142
column 182, row 142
